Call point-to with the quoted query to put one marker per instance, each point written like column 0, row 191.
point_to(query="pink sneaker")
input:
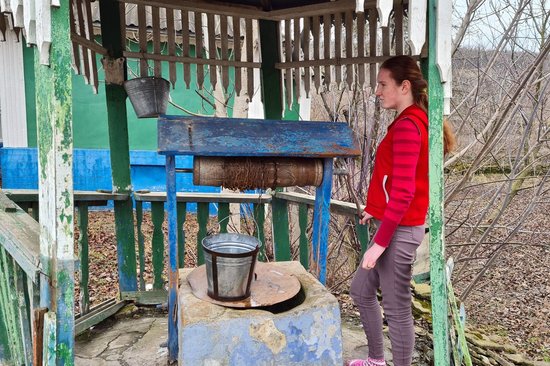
column 375, row 362
column 368, row 362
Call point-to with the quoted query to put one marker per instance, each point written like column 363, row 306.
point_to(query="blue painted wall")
column 92, row 171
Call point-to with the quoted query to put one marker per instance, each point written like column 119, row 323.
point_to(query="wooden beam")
column 97, row 315
column 336, row 206
column 88, row 44
column 31, row 195
column 435, row 211
column 321, row 219
column 212, row 7
column 20, row 236
column 119, row 147
column 173, row 270
column 55, row 169
column 333, row 61
column 331, row 7
column 271, row 77
column 38, row 335
column 146, row 297
column 254, row 137
column 205, row 197
column 191, row 60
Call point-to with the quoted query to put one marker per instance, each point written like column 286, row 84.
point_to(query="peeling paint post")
column 55, row 164
column 437, row 248
column 321, row 219
column 115, row 74
column 173, row 271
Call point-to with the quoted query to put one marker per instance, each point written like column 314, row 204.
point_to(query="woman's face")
column 391, row 95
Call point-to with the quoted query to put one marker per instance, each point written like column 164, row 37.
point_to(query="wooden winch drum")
column 256, row 172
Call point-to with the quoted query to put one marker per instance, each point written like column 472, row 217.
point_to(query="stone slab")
column 303, row 331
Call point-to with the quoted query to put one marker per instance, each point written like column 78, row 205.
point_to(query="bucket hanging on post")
column 230, row 259
column 149, row 95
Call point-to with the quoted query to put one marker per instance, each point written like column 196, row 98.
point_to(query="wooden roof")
column 320, row 42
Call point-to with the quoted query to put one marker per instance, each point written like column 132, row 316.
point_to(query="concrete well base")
column 303, row 331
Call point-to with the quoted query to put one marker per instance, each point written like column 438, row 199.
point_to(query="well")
column 305, row 330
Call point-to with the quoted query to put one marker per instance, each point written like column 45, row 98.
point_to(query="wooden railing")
column 21, row 273
column 279, row 222
column 19, row 236
column 19, row 281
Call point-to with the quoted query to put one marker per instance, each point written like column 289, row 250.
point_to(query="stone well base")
column 303, row 331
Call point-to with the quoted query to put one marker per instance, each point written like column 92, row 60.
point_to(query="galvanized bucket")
column 230, row 259
column 149, row 95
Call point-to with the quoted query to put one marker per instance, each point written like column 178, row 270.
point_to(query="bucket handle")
column 256, row 226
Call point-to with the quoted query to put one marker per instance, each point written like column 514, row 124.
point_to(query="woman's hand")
column 371, row 256
column 364, row 218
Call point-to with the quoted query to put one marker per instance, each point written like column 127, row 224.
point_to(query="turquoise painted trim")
column 30, row 92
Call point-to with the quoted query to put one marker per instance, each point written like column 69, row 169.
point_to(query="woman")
column 397, row 203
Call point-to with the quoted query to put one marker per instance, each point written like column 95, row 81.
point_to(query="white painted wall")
column 13, row 115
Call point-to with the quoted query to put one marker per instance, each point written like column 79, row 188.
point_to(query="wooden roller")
column 251, row 172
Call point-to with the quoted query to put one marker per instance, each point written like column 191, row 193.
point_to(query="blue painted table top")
column 179, row 135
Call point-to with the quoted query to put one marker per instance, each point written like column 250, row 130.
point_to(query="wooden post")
column 157, row 217
column 84, row 257
column 171, row 205
column 118, row 142
column 304, row 241
column 281, row 239
column 141, row 244
column 271, row 77
column 321, row 219
column 55, row 163
column 182, row 213
column 437, row 227
column 203, row 213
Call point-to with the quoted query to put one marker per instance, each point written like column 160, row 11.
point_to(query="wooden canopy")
column 319, row 43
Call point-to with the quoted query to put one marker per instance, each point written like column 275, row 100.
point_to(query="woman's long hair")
column 404, row 68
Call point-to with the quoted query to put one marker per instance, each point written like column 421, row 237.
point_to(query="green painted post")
column 141, row 244
column 259, row 218
column 181, row 208
column 49, row 356
column 55, row 169
column 157, row 216
column 119, row 145
column 437, row 227
column 5, row 352
column 223, row 216
column 202, row 218
column 20, row 280
column 9, row 306
column 304, row 242
column 84, row 257
column 281, row 238
column 271, row 77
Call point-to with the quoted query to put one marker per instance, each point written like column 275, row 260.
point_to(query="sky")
column 494, row 16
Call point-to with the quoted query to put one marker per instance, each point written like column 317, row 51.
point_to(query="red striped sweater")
column 398, row 192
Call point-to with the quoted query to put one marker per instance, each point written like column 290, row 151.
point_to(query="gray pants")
column 392, row 274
